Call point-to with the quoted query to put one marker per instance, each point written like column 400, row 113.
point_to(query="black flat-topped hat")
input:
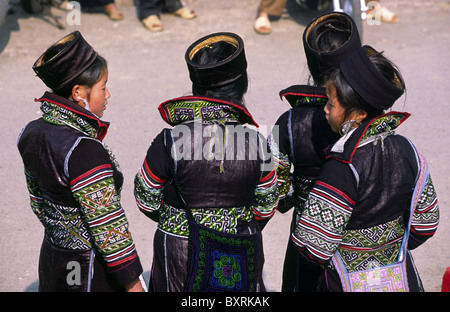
column 64, row 61
column 362, row 75
column 319, row 62
column 223, row 72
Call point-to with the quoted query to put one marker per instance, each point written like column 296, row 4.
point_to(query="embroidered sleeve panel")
column 266, row 197
column 283, row 168
column 426, row 215
column 36, row 201
column 100, row 205
column 148, row 189
column 320, row 227
column 151, row 177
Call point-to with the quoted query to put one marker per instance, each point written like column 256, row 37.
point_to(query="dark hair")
column 350, row 100
column 87, row 78
column 328, row 37
column 213, row 54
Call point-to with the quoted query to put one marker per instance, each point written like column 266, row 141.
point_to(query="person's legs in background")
column 266, row 9
column 107, row 6
column 150, row 12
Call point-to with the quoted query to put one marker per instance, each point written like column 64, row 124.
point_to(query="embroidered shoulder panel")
column 302, row 95
column 61, row 116
column 182, row 111
column 385, row 123
column 309, row 100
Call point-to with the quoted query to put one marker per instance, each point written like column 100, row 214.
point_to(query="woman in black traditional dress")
column 74, row 180
column 224, row 168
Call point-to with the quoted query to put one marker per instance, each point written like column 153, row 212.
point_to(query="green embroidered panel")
column 174, row 220
column 60, row 116
column 182, row 111
column 382, row 245
column 383, row 124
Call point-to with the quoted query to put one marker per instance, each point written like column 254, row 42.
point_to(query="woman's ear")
column 358, row 115
column 361, row 115
column 79, row 93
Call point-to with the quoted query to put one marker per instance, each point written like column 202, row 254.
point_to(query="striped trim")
column 91, row 177
column 321, row 226
column 100, row 205
column 148, row 188
column 266, row 194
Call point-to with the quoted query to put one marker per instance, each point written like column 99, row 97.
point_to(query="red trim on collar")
column 406, row 116
column 303, row 94
column 186, row 98
column 73, row 107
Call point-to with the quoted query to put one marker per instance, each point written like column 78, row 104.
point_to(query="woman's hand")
column 134, row 286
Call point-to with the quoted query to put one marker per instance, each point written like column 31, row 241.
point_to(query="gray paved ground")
column 148, row 68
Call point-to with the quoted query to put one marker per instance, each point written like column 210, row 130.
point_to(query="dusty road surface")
column 147, row 68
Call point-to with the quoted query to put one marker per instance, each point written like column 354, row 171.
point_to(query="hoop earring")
column 347, row 126
column 85, row 103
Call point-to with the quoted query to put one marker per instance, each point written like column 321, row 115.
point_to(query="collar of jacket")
column 377, row 126
column 303, row 95
column 190, row 108
column 88, row 123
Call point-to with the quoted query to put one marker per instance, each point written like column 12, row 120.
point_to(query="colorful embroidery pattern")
column 389, row 278
column 149, row 198
column 181, row 111
column 173, row 220
column 283, row 166
column 148, row 189
column 309, row 100
column 381, row 245
column 321, row 226
column 382, row 124
column 63, row 225
column 227, row 270
column 266, row 197
column 36, row 201
column 426, row 216
column 100, row 205
column 220, row 270
column 58, row 115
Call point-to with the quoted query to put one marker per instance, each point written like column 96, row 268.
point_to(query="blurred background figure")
column 272, row 8
column 150, row 12
column 380, row 11
column 107, row 6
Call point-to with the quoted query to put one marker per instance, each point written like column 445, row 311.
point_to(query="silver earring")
column 86, row 103
column 347, row 126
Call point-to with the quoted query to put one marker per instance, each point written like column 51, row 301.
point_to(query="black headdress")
column 319, row 62
column 362, row 75
column 223, row 72
column 64, row 61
